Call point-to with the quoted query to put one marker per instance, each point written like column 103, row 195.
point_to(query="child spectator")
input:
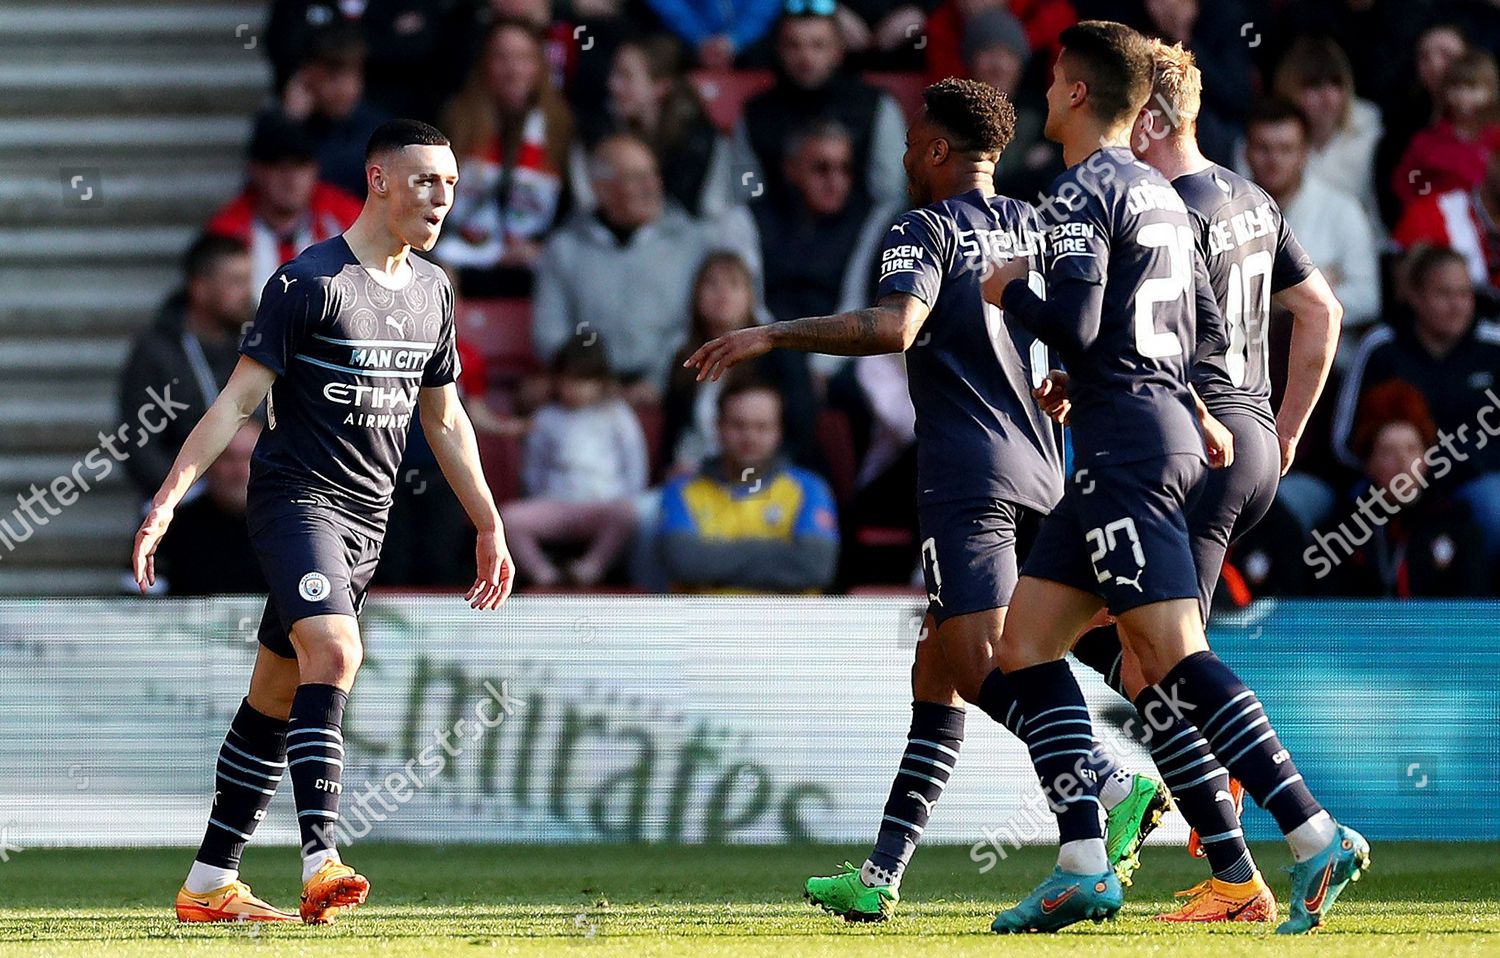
column 1451, row 154
column 584, row 461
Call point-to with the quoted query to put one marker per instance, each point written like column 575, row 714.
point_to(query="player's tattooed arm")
column 889, row 326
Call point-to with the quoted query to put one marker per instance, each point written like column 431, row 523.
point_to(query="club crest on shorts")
column 313, row 587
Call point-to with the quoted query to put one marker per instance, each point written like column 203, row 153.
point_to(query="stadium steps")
column 150, row 102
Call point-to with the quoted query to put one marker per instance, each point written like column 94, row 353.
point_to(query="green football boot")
column 1128, row 823
column 847, row 896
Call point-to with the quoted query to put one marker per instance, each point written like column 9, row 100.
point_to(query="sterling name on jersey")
column 349, row 355
column 1123, row 277
column 1251, row 255
column 970, row 372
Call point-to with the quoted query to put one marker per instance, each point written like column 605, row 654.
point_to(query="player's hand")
column 497, row 572
column 1001, row 276
column 147, row 538
column 1220, row 442
column 1052, row 396
column 716, row 357
column 1288, row 451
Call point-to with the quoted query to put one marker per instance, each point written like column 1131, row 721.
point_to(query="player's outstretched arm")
column 451, row 436
column 890, row 326
column 1316, row 317
column 246, row 390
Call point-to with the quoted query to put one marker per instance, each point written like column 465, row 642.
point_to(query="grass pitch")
column 1419, row 899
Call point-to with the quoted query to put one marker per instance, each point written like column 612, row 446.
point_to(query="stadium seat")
column 836, row 441
column 501, row 330
column 724, row 93
column 501, row 458
column 905, row 88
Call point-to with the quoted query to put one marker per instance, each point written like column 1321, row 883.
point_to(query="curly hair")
column 978, row 117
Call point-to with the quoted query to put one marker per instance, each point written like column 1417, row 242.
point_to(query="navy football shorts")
column 1121, row 533
column 969, row 553
column 316, row 562
column 1234, row 499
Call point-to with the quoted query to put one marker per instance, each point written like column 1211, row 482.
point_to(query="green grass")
column 1419, row 899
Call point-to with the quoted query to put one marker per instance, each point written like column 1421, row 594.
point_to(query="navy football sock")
column 315, row 757
column 937, row 732
column 1060, row 739
column 1230, row 717
column 1199, row 784
column 249, row 768
column 1100, row 650
column 998, row 702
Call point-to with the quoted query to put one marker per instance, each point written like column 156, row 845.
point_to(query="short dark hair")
column 395, row 134
column 742, row 381
column 1424, row 259
column 278, row 139
column 206, row 252
column 583, row 357
column 337, row 43
column 1277, row 110
column 1114, row 62
column 977, row 117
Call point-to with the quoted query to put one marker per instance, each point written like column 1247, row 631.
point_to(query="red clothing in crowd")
column 1043, row 19
column 1458, row 221
column 330, row 212
column 1438, row 160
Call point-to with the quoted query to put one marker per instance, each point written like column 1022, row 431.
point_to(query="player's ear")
column 939, row 150
column 375, row 179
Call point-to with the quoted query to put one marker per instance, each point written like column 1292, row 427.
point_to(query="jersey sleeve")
column 443, row 366
column 291, row 308
column 1077, row 237
column 676, row 519
column 1292, row 266
column 913, row 258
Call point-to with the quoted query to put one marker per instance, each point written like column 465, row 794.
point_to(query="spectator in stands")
column 1416, row 106
column 748, row 522
column 723, row 300
column 949, row 25
column 1343, row 129
column 1334, row 229
column 1429, row 547
column 327, row 97
column 884, row 34
column 511, row 131
column 284, row 208
column 207, row 551
column 188, row 353
column 1214, row 32
column 1452, row 153
column 1455, row 363
column 997, row 52
column 812, row 84
column 718, row 31
column 584, row 462
column 623, row 271
column 1464, row 221
column 650, row 96
column 818, row 238
column 411, row 69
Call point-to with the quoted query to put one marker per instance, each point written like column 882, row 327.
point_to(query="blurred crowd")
column 639, row 176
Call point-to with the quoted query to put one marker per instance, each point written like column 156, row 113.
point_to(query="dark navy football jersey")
column 349, row 355
column 1251, row 255
column 970, row 371
column 1122, row 277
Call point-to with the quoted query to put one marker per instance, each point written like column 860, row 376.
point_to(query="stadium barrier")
column 678, row 719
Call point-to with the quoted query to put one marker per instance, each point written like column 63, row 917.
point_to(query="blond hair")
column 1176, row 85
